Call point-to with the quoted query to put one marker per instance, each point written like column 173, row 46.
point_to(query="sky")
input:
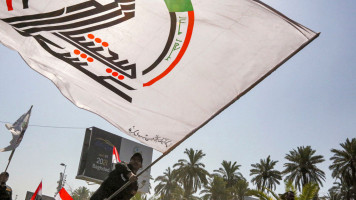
column 310, row 100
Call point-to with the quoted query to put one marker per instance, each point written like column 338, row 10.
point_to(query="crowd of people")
column 117, row 178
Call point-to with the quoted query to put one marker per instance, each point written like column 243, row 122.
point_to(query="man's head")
column 136, row 161
column 4, row 176
column 288, row 196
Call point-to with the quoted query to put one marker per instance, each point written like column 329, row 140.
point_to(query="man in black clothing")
column 118, row 177
column 5, row 190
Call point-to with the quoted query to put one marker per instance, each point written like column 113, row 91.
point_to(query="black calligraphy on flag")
column 67, row 34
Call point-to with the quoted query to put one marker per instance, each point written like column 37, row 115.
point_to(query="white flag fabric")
column 18, row 131
column 63, row 195
column 158, row 70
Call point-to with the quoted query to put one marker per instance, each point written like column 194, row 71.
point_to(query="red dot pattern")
column 83, row 55
column 110, row 71
column 90, row 59
column 76, row 52
column 98, row 40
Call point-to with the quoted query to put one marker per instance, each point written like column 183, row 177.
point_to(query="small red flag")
column 38, row 194
column 63, row 195
column 115, row 156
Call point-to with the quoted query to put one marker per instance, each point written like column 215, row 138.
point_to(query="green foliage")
column 302, row 167
column 341, row 191
column 239, row 190
column 302, row 180
column 216, row 189
column 344, row 168
column 168, row 187
column 265, row 175
column 139, row 196
column 81, row 193
column 309, row 192
column 261, row 195
column 229, row 173
column 191, row 173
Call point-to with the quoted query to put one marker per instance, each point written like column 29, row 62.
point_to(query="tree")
column 229, row 173
column 331, row 196
column 139, row 196
column 341, row 191
column 167, row 185
column 302, row 167
column 239, row 190
column 191, row 172
column 265, row 175
column 344, row 164
column 309, row 191
column 216, row 189
column 81, row 193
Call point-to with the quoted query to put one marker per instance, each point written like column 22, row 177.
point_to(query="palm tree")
column 166, row 186
column 309, row 191
column 81, row 193
column 216, row 189
column 302, row 167
column 139, row 196
column 265, row 175
column 191, row 173
column 341, row 191
column 331, row 196
column 229, row 173
column 344, row 164
column 239, row 190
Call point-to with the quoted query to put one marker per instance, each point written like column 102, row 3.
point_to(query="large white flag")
column 17, row 130
column 156, row 69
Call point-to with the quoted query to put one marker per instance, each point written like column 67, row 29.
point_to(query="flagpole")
column 20, row 138
column 10, row 158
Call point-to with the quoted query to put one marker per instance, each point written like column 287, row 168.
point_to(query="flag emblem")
column 67, row 34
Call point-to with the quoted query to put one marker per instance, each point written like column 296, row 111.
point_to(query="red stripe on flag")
column 181, row 52
column 38, row 192
column 64, row 195
column 116, row 154
column 9, row 5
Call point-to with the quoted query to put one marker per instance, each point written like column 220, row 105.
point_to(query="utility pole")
column 62, row 179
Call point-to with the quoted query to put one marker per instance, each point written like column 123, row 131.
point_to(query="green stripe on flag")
column 179, row 5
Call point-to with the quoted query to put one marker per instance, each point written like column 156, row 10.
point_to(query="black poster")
column 96, row 160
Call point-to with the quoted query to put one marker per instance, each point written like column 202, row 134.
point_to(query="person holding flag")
column 122, row 174
column 5, row 190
